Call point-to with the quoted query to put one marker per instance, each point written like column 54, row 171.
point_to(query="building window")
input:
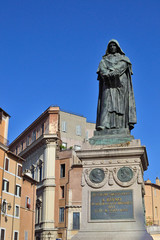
column 15, row 235
column 64, row 126
column 33, row 135
column 27, row 142
column 6, row 164
column 18, row 190
column 155, row 192
column 38, row 210
column 5, row 186
column 86, row 135
column 28, row 203
column 42, row 127
column 2, row 237
column 26, row 235
column 78, row 130
column 38, row 214
column 62, row 171
column 61, row 214
column 40, row 173
column 62, row 191
column 17, row 211
column 76, row 220
column 19, row 171
column 4, row 207
column 77, row 147
column 21, row 146
column 32, row 172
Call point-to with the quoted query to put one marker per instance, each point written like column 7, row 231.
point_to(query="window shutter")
column 64, row 126
column 26, row 203
column 76, row 220
column 19, row 171
column 3, row 185
column 20, row 191
column 2, row 234
column 78, row 130
column 6, row 164
column 7, row 186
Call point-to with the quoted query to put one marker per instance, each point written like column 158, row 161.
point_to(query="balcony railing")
column 4, row 141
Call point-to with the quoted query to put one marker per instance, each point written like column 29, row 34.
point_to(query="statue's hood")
column 117, row 43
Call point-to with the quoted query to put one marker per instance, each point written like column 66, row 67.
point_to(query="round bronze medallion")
column 96, row 175
column 125, row 174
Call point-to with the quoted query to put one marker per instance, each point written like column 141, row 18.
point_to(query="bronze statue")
column 116, row 104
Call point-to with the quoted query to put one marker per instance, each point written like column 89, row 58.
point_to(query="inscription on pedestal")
column 111, row 205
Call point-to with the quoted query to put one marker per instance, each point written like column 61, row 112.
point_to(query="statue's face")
column 113, row 48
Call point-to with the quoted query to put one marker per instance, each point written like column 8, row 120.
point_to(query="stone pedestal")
column 112, row 193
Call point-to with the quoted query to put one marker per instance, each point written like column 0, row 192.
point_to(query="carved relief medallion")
column 96, row 175
column 125, row 174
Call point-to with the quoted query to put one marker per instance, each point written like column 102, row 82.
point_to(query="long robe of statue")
column 116, row 104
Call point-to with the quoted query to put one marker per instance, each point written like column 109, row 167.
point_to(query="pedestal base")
column 113, row 192
column 129, row 235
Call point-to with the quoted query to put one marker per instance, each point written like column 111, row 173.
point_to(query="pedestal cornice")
column 118, row 152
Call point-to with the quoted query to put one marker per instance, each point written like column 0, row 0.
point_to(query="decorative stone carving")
column 39, row 162
column 96, row 175
column 83, row 183
column 110, row 180
column 93, row 180
column 123, row 175
column 139, row 178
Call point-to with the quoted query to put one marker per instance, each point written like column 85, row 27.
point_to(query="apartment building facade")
column 10, row 178
column 74, row 130
column 68, row 194
column 152, row 202
column 11, row 186
column 27, row 207
column 152, row 208
column 39, row 145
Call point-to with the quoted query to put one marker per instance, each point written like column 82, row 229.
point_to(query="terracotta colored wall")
column 53, row 123
column 75, row 184
column 59, row 201
column 9, row 222
column 27, row 218
column 2, row 127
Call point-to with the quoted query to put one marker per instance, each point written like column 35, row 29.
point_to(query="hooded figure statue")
column 116, row 104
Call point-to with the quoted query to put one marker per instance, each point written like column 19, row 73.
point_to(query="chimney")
column 157, row 181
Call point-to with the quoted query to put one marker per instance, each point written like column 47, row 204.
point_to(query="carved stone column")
column 48, row 201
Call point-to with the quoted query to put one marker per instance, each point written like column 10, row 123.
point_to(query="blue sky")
column 50, row 51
